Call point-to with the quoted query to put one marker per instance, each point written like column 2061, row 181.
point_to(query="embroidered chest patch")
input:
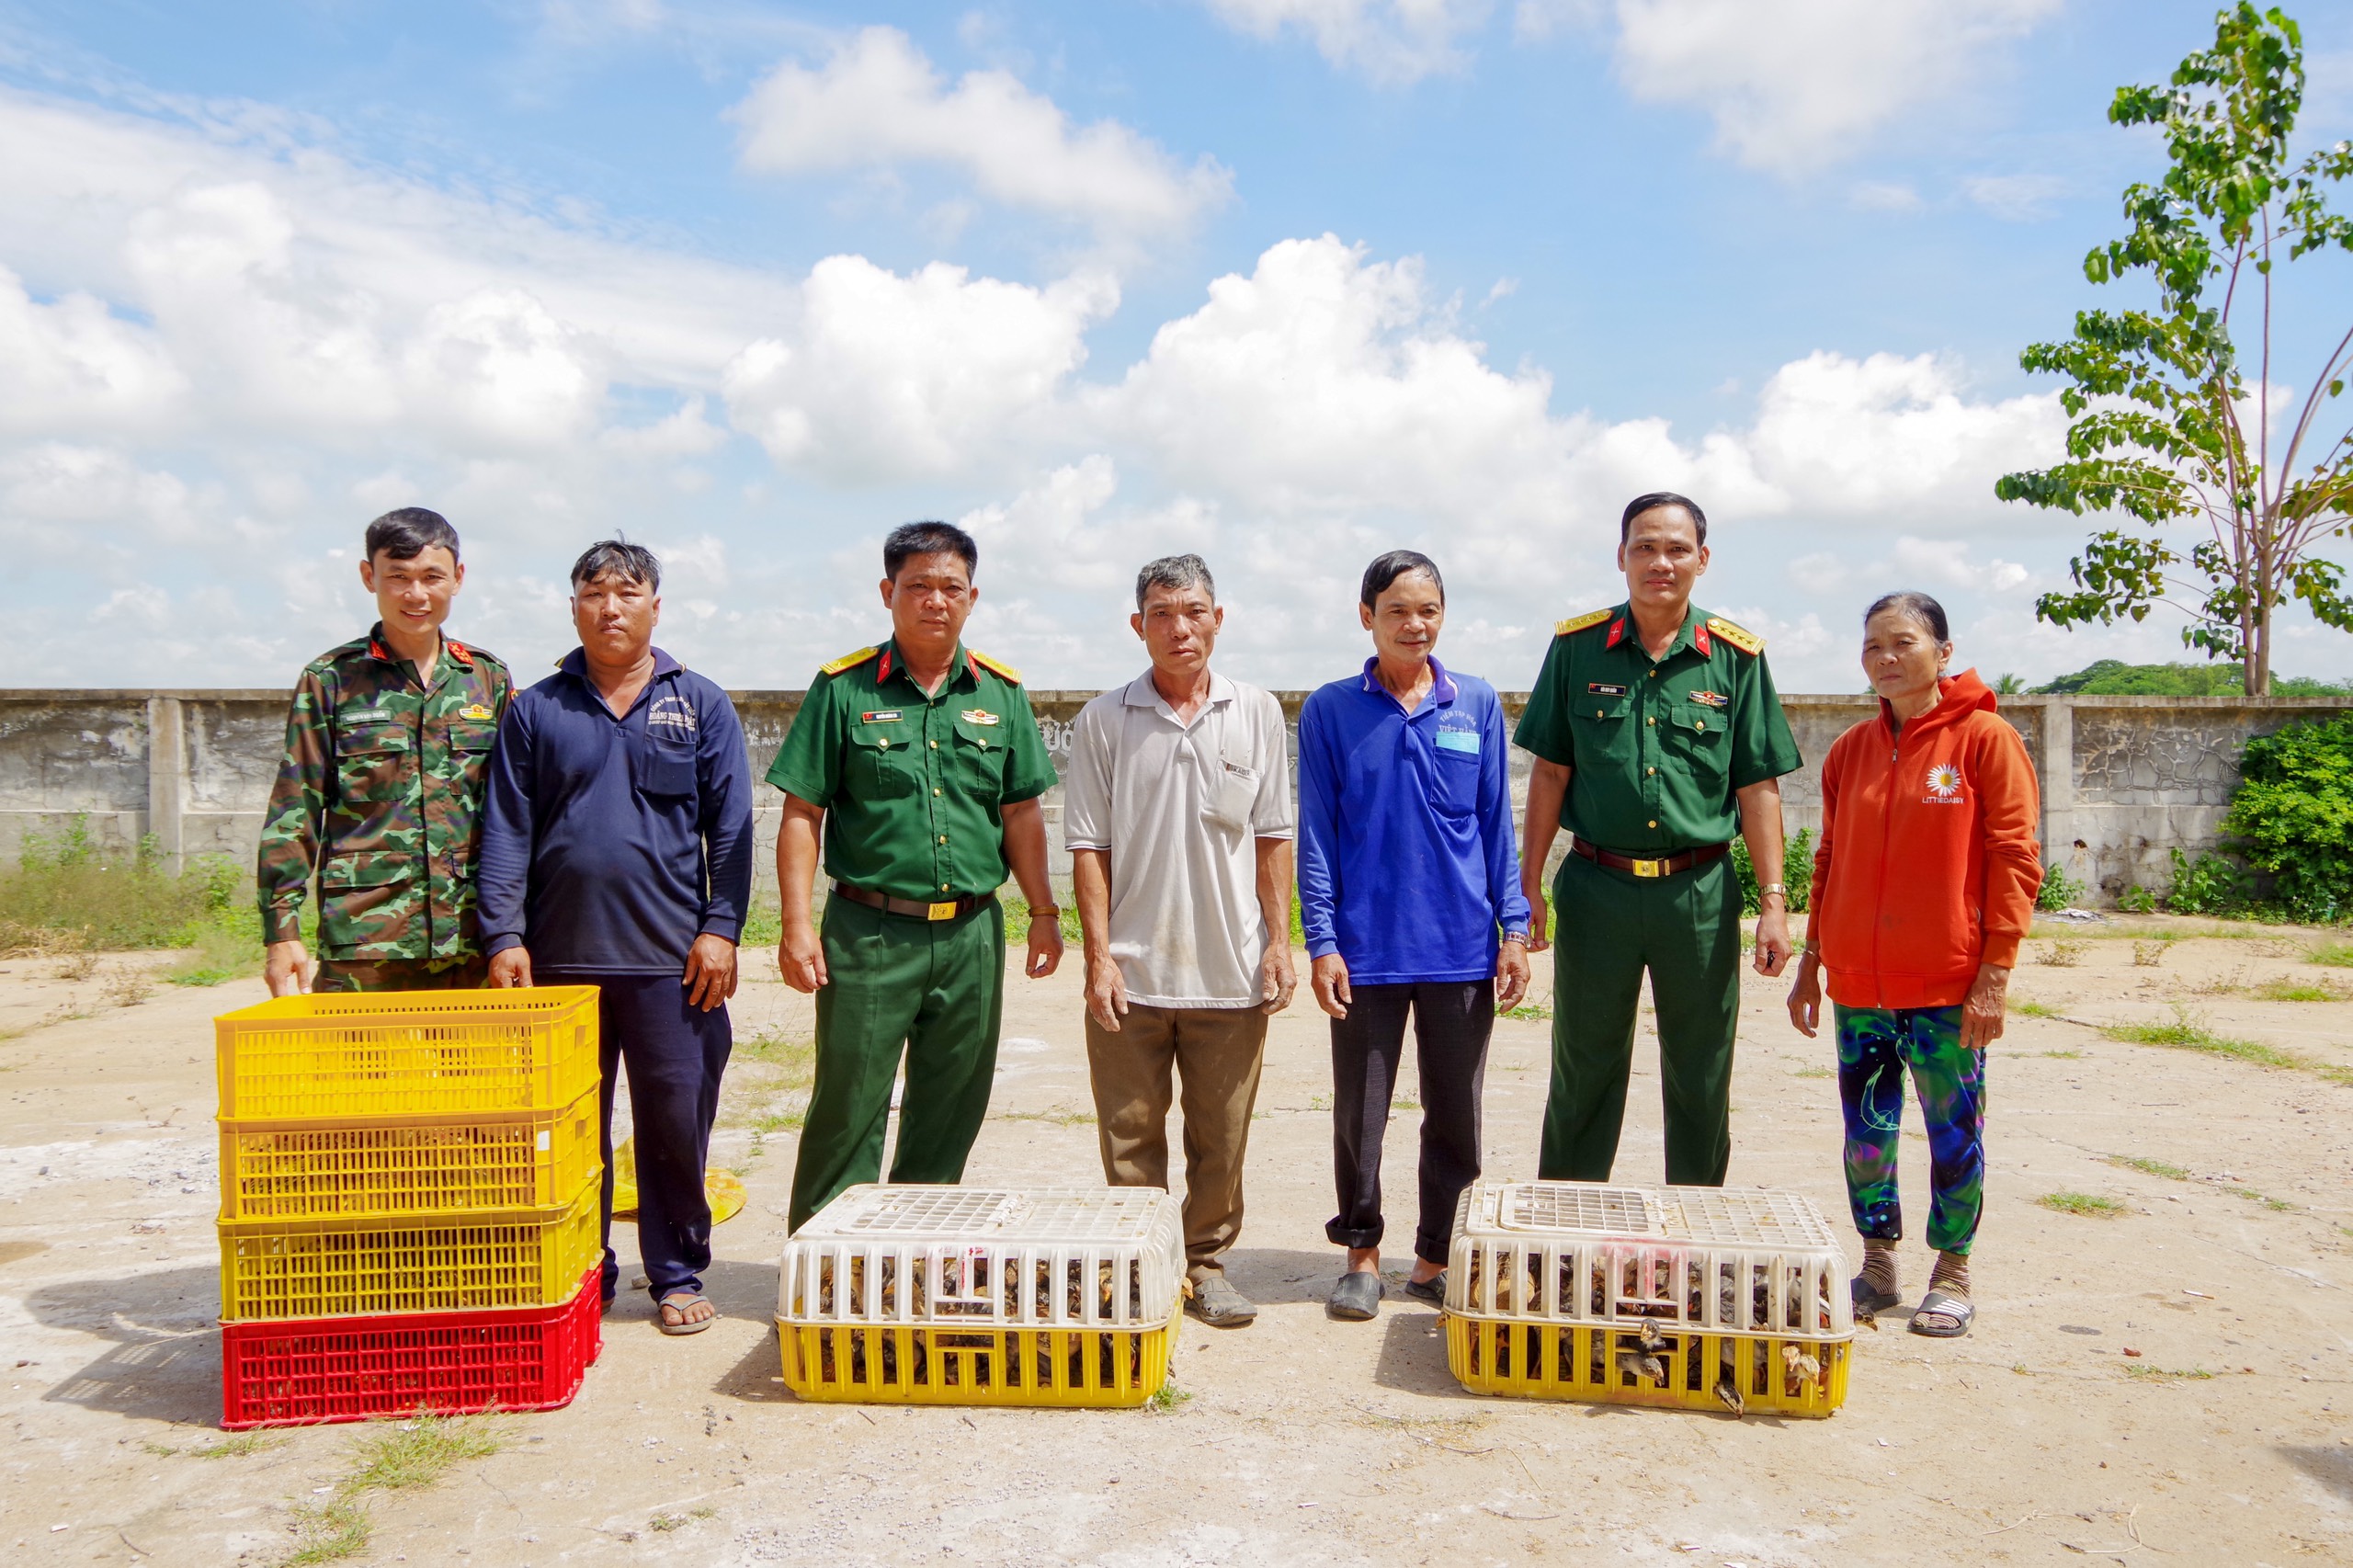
column 1711, row 698
column 980, row 716
column 474, row 710
column 1944, row 785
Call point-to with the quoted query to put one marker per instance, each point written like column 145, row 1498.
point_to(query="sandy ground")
column 1305, row 1441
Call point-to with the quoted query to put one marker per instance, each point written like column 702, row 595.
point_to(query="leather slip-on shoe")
column 1216, row 1302
column 1356, row 1298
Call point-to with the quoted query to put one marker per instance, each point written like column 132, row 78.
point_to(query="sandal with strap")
column 678, row 1301
column 1941, row 1315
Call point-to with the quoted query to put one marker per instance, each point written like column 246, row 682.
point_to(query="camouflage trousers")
column 469, row 974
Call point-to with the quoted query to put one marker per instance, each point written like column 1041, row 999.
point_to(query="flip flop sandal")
column 1868, row 1303
column 679, row 1301
column 1936, row 1303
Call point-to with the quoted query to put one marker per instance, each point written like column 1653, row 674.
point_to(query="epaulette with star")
column 1579, row 622
column 849, row 661
column 1740, row 637
column 999, row 666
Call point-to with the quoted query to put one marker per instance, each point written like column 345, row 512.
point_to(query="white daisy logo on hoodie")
column 1944, row 784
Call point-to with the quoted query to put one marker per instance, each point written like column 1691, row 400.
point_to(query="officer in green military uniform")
column 1657, row 735
column 380, row 795
column 921, row 762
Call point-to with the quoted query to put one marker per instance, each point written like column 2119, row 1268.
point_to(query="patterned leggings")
column 1875, row 1044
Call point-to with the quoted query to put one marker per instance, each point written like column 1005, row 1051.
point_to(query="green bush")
column 1797, row 873
column 2138, row 900
column 2059, row 891
column 2292, row 816
column 73, row 888
column 2212, row 885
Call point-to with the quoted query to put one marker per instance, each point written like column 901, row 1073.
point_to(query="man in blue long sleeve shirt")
column 1409, row 892
column 616, row 852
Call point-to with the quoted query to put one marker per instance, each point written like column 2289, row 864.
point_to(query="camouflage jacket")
column 380, row 797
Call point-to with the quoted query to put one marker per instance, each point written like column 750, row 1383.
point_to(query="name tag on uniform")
column 1603, row 689
column 1711, row 698
column 881, row 716
column 1457, row 740
column 978, row 716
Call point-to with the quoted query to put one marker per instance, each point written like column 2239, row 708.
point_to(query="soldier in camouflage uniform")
column 380, row 795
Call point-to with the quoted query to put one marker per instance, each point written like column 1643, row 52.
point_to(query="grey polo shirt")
column 1180, row 809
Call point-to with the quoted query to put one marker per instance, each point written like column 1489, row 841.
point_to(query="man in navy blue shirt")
column 616, row 852
column 1409, row 892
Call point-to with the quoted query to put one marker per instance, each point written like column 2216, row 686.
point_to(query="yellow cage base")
column 1046, row 1368
column 1534, row 1360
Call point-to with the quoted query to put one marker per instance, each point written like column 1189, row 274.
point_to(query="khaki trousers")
column 1216, row 1051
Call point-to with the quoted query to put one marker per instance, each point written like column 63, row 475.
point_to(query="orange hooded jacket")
column 1928, row 866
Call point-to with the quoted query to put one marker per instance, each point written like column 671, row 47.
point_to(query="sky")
column 1286, row 282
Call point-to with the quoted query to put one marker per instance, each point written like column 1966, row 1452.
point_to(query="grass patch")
column 2150, row 955
column 1168, row 1396
column 416, row 1452
column 777, row 1121
column 2084, row 1205
column 2064, row 952
column 231, row 1448
column 665, row 1523
column 2065, row 1055
column 2149, row 1167
column 68, row 890
column 2026, row 1009
column 328, row 1531
column 2167, row 1374
column 2187, row 1031
column 2277, row 1205
column 1530, row 1012
column 1058, row 1116
column 2285, row 990
column 2337, row 955
column 225, row 948
column 791, row 1059
column 1813, row 1072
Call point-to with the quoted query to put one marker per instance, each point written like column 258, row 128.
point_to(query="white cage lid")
column 1706, row 1216
column 1041, row 1215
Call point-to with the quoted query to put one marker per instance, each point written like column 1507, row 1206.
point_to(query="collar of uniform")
column 960, row 667
column 1442, row 687
column 1141, row 693
column 378, row 649
column 576, row 663
column 1692, row 634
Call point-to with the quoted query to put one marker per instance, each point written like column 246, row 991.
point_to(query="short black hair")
column 1387, row 569
column 910, row 540
column 618, row 557
column 407, row 532
column 1642, row 504
column 1176, row 571
column 1915, row 604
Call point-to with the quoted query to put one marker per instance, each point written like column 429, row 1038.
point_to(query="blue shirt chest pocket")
column 664, row 768
column 1455, row 756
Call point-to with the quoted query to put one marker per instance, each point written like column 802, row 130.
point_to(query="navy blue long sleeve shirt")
column 1407, row 864
column 610, row 842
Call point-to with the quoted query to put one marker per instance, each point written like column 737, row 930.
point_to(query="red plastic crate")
column 304, row 1372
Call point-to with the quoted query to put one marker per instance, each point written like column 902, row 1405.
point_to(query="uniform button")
column 943, row 887
column 1650, row 720
column 943, row 838
column 1654, row 824
column 934, row 791
column 935, row 745
column 1653, row 675
column 1645, row 770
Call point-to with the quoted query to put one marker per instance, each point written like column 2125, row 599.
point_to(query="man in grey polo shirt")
column 1176, row 809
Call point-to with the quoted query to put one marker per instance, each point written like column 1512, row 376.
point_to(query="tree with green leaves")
column 2230, row 474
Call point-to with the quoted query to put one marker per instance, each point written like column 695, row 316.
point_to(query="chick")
column 1798, row 1368
column 1651, row 1337
column 1728, row 1391
column 1648, row 1367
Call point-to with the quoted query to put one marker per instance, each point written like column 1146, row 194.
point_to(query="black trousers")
column 674, row 1052
column 1451, row 1022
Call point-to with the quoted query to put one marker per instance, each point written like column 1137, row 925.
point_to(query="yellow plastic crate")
column 1535, row 1360
column 380, row 1169
column 276, row 1269
column 1073, row 1367
column 952, row 1295
column 414, row 1053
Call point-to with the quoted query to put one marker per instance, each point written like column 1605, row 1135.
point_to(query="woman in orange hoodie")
column 1923, row 886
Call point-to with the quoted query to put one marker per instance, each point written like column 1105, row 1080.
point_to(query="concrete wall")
column 2141, row 774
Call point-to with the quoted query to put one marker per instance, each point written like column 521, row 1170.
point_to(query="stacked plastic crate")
column 1693, row 1298
column 408, row 1203
column 948, row 1295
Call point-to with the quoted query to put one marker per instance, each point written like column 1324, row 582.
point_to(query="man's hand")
column 1329, row 976
column 1277, row 981
column 1540, row 916
column 287, row 968
column 711, row 972
column 510, row 970
column 1107, row 991
column 1511, row 976
column 801, row 957
column 1045, row 945
column 1982, row 1015
column 1772, row 942
column 1805, row 997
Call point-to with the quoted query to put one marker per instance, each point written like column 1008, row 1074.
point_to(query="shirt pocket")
column 663, row 769
column 470, row 744
column 1457, row 781
column 881, row 764
column 364, row 898
column 979, row 757
column 1701, row 739
column 1602, row 728
column 374, row 763
column 1233, row 796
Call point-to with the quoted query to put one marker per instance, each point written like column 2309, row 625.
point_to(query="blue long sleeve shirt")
column 611, row 841
column 1407, row 864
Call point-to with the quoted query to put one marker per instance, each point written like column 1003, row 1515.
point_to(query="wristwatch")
column 1519, row 937
column 1769, row 889
column 1045, row 911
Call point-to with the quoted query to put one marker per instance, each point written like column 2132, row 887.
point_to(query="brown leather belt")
column 1681, row 861
column 946, row 909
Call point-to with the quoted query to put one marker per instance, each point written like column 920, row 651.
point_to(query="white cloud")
column 1796, row 84
column 1884, row 195
column 887, row 376
column 2020, row 199
column 1388, row 41
column 878, row 103
column 73, row 364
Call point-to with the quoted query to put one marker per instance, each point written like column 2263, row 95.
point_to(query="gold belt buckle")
column 1649, row 868
column 941, row 911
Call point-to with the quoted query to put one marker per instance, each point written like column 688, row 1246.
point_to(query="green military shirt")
column 912, row 785
column 381, row 796
column 1655, row 749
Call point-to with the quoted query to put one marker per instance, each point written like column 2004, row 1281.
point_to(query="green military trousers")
column 935, row 987
column 1608, row 927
